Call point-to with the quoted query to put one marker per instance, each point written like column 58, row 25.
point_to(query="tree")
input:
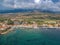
column 10, row 22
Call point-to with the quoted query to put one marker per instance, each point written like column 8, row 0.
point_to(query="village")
column 28, row 21
column 33, row 24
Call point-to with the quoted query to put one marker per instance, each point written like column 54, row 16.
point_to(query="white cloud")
column 47, row 4
column 18, row 4
column 8, row 3
column 23, row 4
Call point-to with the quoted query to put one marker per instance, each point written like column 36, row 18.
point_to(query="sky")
column 53, row 5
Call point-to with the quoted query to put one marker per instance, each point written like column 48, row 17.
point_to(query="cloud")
column 43, row 4
column 8, row 3
column 18, row 3
column 23, row 4
column 49, row 4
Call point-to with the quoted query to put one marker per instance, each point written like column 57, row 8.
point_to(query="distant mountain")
column 26, row 10
column 16, row 10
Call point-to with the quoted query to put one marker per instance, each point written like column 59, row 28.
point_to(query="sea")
column 25, row 36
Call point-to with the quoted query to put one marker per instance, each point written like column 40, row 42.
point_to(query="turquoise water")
column 31, row 37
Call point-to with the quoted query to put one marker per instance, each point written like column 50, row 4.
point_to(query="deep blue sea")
column 22, row 36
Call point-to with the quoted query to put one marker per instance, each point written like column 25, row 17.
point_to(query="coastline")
column 19, row 26
column 51, row 27
column 8, row 31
